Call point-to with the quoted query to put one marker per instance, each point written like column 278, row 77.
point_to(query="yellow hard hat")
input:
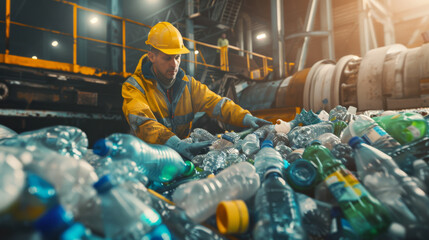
column 167, row 39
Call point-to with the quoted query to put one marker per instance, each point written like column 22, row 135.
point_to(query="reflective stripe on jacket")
column 154, row 119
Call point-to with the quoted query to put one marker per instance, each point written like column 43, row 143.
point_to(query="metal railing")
column 74, row 67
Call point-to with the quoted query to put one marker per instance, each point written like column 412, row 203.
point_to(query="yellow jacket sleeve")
column 140, row 118
column 221, row 108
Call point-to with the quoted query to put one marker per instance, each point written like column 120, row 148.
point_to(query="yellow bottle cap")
column 232, row 217
column 211, row 176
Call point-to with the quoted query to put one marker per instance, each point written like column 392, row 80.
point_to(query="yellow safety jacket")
column 154, row 119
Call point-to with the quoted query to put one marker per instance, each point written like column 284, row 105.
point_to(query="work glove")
column 188, row 150
column 254, row 122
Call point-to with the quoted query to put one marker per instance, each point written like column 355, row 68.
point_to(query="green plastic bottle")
column 404, row 127
column 367, row 216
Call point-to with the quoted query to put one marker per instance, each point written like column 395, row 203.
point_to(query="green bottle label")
column 344, row 186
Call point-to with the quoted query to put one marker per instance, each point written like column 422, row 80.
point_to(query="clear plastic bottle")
column 124, row 215
column 344, row 153
column 6, row 132
column 200, row 198
column 267, row 158
column 66, row 140
column 306, row 134
column 250, row 144
column 421, row 171
column 283, row 150
column 295, row 155
column 200, row 135
column 393, row 187
column 214, row 161
column 158, row 162
column 277, row 211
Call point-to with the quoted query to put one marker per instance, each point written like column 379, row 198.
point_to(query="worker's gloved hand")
column 187, row 150
column 254, row 122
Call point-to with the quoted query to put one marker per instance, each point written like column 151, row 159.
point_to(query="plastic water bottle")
column 306, row 134
column 250, row 144
column 372, row 134
column 404, row 127
column 66, row 140
column 393, row 187
column 214, row 161
column 302, row 175
column 158, row 162
column 124, row 215
column 280, row 139
column 200, row 198
column 365, row 213
column 6, row 132
column 421, row 171
column 315, row 216
column 267, row 158
column 201, row 135
column 277, row 211
column 329, row 140
column 124, row 170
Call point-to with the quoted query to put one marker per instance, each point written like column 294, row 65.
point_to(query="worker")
column 160, row 100
column 221, row 42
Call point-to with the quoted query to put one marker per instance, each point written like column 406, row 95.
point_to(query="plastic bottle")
column 315, row 216
column 6, row 132
column 340, row 227
column 158, row 162
column 200, row 135
column 421, row 171
column 302, row 175
column 329, row 140
column 214, row 161
column 365, row 213
column 180, row 225
column 124, row 215
column 267, row 158
column 283, row 150
column 306, row 134
column 280, row 139
column 393, row 187
column 404, row 127
column 295, row 155
column 66, row 140
column 250, row 144
column 277, row 212
column 338, row 113
column 200, row 198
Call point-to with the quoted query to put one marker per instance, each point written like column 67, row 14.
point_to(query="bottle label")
column 344, row 186
column 414, row 131
column 374, row 134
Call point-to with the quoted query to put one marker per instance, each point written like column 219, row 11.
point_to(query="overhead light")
column 34, row 57
column 196, row 52
column 93, row 20
column 54, row 43
column 261, row 36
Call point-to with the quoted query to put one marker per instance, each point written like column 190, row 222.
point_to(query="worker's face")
column 165, row 66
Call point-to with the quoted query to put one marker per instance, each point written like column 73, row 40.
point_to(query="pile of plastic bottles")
column 340, row 175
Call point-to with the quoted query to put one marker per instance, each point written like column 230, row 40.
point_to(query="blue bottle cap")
column 105, row 183
column 302, row 173
column 354, row 141
column 267, row 143
column 75, row 231
column 102, row 147
column 159, row 233
column 53, row 221
column 228, row 138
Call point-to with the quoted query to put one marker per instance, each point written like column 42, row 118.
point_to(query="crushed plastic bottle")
column 66, row 140
column 201, row 135
column 329, row 140
column 250, row 144
column 306, row 134
column 158, row 162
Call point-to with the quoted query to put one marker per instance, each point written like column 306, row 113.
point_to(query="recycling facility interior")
column 63, row 62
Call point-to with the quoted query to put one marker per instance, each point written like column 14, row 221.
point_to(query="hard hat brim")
column 174, row 51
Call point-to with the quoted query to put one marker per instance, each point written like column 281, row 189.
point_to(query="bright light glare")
column 54, row 43
column 93, row 20
column 196, row 52
column 34, row 57
column 261, row 36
